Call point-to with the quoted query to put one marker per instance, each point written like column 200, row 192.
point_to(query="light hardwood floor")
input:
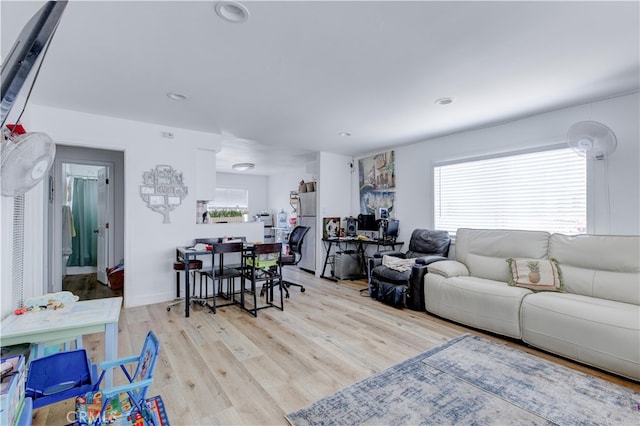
column 232, row 368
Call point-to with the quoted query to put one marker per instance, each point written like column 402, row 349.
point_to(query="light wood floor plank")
column 232, row 368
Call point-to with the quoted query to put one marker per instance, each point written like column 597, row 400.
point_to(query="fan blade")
column 26, row 160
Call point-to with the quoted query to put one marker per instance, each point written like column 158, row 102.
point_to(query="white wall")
column 414, row 177
column 334, row 195
column 281, row 184
column 149, row 244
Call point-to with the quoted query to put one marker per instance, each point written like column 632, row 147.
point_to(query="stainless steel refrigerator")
column 307, row 217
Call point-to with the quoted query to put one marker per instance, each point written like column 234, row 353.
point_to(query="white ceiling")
column 298, row 73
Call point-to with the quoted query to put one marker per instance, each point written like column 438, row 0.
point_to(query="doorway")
column 86, row 220
column 84, row 237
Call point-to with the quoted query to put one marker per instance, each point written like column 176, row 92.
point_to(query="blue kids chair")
column 126, row 404
column 70, row 374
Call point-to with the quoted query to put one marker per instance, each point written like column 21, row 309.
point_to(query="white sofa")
column 594, row 320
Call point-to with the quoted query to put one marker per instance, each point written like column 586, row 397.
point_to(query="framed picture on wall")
column 377, row 179
column 330, row 227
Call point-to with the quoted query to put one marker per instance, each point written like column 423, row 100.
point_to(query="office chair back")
column 296, row 239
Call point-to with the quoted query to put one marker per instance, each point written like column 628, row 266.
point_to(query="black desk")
column 358, row 246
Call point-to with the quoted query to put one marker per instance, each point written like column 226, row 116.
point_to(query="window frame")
column 244, row 209
column 503, row 154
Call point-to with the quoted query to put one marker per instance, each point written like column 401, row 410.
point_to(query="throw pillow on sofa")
column 535, row 274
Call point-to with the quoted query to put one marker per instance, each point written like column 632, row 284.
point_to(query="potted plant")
column 226, row 215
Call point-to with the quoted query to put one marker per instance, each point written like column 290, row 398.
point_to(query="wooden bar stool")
column 195, row 265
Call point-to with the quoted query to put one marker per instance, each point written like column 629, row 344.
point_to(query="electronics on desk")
column 352, row 227
column 367, row 225
column 391, row 231
column 367, row 222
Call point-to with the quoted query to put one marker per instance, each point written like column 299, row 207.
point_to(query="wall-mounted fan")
column 592, row 139
column 26, row 160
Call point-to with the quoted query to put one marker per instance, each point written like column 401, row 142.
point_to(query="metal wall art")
column 162, row 190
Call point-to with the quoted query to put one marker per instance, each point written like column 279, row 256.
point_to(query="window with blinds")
column 542, row 191
column 227, row 198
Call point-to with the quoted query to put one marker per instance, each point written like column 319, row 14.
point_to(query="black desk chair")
column 296, row 238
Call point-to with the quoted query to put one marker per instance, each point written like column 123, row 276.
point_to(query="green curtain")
column 85, row 219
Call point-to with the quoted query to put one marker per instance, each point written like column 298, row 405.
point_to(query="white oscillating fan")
column 26, row 160
column 592, row 139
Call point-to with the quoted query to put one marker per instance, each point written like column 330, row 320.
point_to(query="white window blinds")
column 231, row 198
column 543, row 190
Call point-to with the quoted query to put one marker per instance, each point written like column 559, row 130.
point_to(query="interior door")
column 103, row 225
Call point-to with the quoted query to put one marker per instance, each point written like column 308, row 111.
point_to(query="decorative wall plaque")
column 162, row 190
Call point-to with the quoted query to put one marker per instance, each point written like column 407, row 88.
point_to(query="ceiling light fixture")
column 232, row 12
column 176, row 96
column 243, row 167
column 344, row 134
column 444, row 101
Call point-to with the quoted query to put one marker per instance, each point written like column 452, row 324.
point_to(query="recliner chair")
column 406, row 288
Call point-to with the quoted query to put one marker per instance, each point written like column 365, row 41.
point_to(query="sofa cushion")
column 535, row 274
column 598, row 332
column 484, row 251
column 448, row 268
column 477, row 302
column 607, row 267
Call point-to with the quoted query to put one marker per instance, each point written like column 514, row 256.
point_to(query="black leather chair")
column 296, row 238
column 406, row 288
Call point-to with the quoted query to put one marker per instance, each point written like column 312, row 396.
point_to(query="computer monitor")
column 367, row 222
column 391, row 233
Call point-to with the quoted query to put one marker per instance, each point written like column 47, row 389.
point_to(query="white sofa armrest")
column 448, row 268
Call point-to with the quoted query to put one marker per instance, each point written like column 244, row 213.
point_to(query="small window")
column 541, row 191
column 230, row 198
column 230, row 202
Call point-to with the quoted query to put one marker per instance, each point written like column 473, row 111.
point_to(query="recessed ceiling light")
column 231, row 11
column 344, row 134
column 176, row 96
column 444, row 101
column 243, row 167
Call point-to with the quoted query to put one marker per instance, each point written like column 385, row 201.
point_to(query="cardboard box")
column 12, row 390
